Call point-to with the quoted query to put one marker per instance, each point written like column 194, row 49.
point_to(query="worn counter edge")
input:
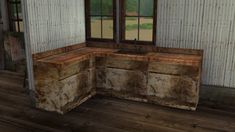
column 93, row 52
column 147, row 48
column 67, row 58
column 45, row 54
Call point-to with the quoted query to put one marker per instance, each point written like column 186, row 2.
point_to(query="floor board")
column 106, row 114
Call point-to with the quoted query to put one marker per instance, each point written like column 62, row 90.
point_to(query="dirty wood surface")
column 126, row 76
column 104, row 114
column 84, row 53
column 63, row 89
column 157, row 82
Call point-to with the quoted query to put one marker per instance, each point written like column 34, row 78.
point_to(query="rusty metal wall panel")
column 202, row 24
column 55, row 23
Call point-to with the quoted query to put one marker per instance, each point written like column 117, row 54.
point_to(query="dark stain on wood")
column 67, row 97
column 173, row 69
column 72, row 69
column 83, row 84
column 127, row 64
column 100, row 61
column 182, row 89
column 58, row 51
column 171, row 101
column 84, row 65
column 136, row 84
column 77, row 100
column 128, row 80
column 101, row 76
column 54, row 104
column 110, row 82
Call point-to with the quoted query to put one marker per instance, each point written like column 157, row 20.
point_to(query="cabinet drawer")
column 120, row 63
column 74, row 68
column 173, row 69
column 126, row 81
column 183, row 89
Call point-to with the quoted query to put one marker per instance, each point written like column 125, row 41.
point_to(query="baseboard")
column 216, row 95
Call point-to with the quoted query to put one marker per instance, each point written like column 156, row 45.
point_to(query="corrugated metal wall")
column 202, row 24
column 55, row 23
column 198, row 24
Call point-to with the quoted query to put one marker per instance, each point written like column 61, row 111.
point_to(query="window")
column 138, row 21
column 15, row 15
column 100, row 19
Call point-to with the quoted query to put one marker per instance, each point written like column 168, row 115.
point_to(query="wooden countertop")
column 86, row 52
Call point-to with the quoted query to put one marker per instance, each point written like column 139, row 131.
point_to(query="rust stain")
column 132, row 70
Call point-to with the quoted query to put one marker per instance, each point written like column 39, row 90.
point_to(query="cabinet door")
column 75, row 68
column 172, row 90
column 126, row 63
column 175, row 69
column 100, row 63
column 126, row 81
column 63, row 95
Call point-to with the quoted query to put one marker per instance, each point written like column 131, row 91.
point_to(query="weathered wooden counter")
column 63, row 81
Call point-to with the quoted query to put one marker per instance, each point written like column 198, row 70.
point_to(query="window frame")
column 123, row 25
column 88, row 23
column 13, row 20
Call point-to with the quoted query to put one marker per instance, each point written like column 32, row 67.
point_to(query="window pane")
column 20, row 11
column 131, row 28
column 16, row 27
column 95, row 7
column 21, row 26
column 132, row 7
column 13, row 11
column 146, row 29
column 107, row 27
column 107, row 7
column 96, row 27
column 146, row 7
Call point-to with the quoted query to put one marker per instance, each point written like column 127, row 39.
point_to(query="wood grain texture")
column 161, row 78
column 58, row 51
column 105, row 114
column 63, row 88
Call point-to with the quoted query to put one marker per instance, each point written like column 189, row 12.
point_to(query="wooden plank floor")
column 104, row 114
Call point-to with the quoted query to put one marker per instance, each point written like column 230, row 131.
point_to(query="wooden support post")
column 4, row 14
column 28, row 51
column 4, row 26
column 1, row 46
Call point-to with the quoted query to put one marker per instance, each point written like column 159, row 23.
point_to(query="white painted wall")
column 202, row 24
column 55, row 23
column 51, row 24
